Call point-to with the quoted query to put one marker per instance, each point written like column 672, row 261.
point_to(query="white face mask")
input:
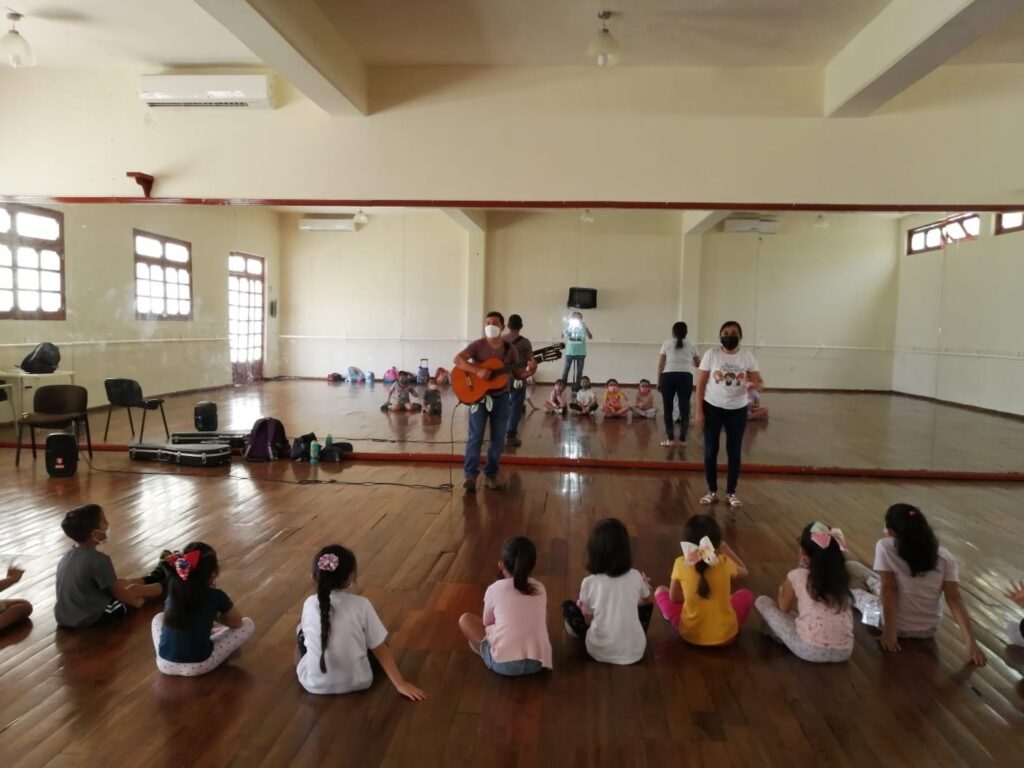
column 492, row 331
column 104, row 534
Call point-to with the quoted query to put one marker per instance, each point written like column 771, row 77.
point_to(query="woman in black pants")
column 722, row 381
column 676, row 363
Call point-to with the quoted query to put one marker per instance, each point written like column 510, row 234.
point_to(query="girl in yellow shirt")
column 698, row 600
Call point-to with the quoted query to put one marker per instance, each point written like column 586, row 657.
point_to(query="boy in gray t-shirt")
column 88, row 590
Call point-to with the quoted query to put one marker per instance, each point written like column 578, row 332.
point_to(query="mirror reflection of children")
column 586, row 399
column 615, row 405
column 755, row 411
column 432, row 398
column 558, row 402
column 643, row 407
column 402, row 396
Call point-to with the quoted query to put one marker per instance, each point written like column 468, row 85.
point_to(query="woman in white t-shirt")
column 676, row 362
column 725, row 373
column 912, row 574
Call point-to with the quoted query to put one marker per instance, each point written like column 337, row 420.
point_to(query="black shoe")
column 494, row 484
column 161, row 573
column 469, row 484
column 512, row 441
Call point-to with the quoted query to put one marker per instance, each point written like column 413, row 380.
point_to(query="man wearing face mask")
column 490, row 347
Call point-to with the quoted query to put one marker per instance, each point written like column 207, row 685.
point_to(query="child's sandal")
column 709, row 498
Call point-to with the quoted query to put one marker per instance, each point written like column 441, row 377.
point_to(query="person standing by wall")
column 518, row 397
column 676, row 362
column 575, row 334
column 725, row 372
column 490, row 347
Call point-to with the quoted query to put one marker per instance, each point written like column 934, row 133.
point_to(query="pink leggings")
column 742, row 601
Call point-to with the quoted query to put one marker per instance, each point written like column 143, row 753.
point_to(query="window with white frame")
column 163, row 277
column 932, row 237
column 31, row 263
column 1012, row 221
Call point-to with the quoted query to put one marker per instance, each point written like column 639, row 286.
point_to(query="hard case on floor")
column 232, row 438
column 188, row 454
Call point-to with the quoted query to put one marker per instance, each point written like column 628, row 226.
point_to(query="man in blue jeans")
column 490, row 347
column 518, row 396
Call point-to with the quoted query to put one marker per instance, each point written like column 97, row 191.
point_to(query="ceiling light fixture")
column 361, row 218
column 586, row 216
column 14, row 51
column 604, row 50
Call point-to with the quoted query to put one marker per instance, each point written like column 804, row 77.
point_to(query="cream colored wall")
column 389, row 294
column 626, row 133
column 632, row 258
column 818, row 305
column 958, row 335
column 101, row 338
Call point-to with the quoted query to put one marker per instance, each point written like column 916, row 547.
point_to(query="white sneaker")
column 709, row 498
column 569, row 630
column 734, row 501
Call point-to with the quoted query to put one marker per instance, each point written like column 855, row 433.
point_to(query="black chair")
column 126, row 393
column 56, row 406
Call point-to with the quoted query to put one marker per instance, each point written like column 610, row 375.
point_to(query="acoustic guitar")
column 471, row 389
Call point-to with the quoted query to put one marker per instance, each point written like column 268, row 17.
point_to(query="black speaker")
column 206, row 416
column 582, row 298
column 61, row 454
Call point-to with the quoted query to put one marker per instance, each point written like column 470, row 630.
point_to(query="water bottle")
column 327, row 441
column 314, row 452
column 369, row 378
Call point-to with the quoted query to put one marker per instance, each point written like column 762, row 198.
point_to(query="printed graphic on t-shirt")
column 730, row 375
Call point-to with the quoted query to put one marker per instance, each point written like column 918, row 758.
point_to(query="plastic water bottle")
column 369, row 378
column 314, row 452
column 327, row 441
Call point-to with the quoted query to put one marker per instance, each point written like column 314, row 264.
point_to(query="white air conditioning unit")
column 245, row 91
column 756, row 226
column 328, row 224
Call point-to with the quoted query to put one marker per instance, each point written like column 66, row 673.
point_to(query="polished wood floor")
column 95, row 698
column 807, row 429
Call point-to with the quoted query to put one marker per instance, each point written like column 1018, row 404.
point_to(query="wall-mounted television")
column 582, row 298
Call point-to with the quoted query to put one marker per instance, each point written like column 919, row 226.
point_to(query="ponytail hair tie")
column 328, row 562
column 823, row 536
column 183, row 563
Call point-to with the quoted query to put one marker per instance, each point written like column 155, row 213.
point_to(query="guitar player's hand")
column 483, row 373
column 531, row 367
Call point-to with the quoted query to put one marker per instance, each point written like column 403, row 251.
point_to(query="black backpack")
column 300, row 447
column 43, row 359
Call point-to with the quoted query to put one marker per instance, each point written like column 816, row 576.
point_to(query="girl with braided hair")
column 337, row 630
column 184, row 636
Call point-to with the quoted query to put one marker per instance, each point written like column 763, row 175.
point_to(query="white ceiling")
column 137, row 34
column 153, row 34
column 726, row 33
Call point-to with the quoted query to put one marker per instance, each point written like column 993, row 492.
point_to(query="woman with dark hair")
column 821, row 628
column 183, row 634
column 615, row 606
column 676, row 362
column 912, row 573
column 725, row 373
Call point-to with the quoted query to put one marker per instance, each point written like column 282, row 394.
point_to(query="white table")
column 24, row 386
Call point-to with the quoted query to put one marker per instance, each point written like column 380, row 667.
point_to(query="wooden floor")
column 850, row 430
column 95, row 698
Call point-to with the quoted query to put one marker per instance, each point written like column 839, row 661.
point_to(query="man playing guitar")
column 490, row 347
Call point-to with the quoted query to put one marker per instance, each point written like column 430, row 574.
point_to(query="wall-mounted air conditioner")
column 237, row 91
column 756, row 226
column 328, row 224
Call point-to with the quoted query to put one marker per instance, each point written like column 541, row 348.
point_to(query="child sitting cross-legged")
column 615, row 405
column 643, row 406
column 586, row 399
column 402, row 396
column 558, row 402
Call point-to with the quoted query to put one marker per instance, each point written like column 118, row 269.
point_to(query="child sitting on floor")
column 432, row 398
column 586, row 399
column 614, row 608
column 755, row 411
column 558, row 402
column 186, row 644
column 337, row 629
column 512, row 636
column 912, row 573
column 821, row 629
column 698, row 600
column 615, row 405
column 13, row 611
column 644, row 404
column 88, row 590
column 402, row 396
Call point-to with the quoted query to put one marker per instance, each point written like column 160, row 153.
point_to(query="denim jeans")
column 569, row 360
column 478, row 420
column 509, row 668
column 517, row 405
